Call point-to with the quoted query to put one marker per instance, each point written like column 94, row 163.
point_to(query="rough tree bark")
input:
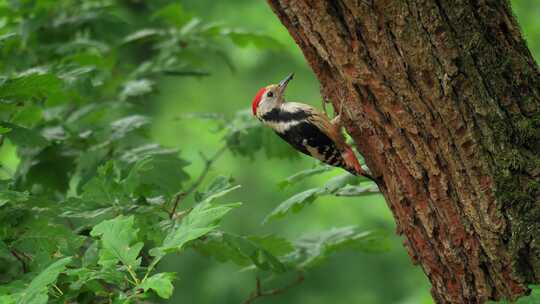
column 442, row 97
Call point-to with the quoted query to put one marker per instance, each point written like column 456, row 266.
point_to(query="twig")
column 20, row 257
column 133, row 275
column 58, row 290
column 259, row 293
column 208, row 162
column 186, row 73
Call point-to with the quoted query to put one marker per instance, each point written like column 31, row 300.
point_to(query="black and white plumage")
column 305, row 128
column 295, row 127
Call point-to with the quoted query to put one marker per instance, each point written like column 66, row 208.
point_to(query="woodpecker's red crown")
column 257, row 100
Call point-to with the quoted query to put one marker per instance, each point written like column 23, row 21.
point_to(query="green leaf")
column 142, row 152
column 23, row 137
column 294, row 203
column 44, row 240
column 121, row 127
column 13, row 196
column 156, row 175
column 204, row 218
column 215, row 245
column 87, row 165
column 349, row 190
column 260, row 257
column 136, row 88
column 142, row 34
column 220, row 186
column 29, row 115
column 173, row 14
column 7, row 37
column 245, row 136
column 303, row 175
column 161, row 283
column 313, row 249
column 87, row 208
column 244, row 39
column 85, row 276
column 4, row 130
column 91, row 255
column 338, row 182
column 263, row 252
column 90, row 59
column 277, row 245
column 36, row 292
column 106, row 186
column 118, row 242
column 340, row 185
column 7, row 299
column 32, row 85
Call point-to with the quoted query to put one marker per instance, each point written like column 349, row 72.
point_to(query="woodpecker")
column 305, row 128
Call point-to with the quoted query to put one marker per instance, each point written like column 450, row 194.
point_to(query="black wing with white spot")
column 310, row 140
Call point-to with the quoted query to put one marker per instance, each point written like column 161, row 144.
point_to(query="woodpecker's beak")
column 284, row 82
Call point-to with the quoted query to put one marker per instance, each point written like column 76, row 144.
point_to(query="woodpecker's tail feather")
column 353, row 165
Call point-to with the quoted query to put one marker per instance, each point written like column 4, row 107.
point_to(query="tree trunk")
column 442, row 98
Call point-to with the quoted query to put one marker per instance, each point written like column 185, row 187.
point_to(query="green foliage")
column 37, row 290
column 243, row 38
column 198, row 222
column 30, row 86
column 24, row 137
column 118, row 242
column 302, row 175
column 342, row 185
column 95, row 206
column 313, row 249
column 161, row 283
column 264, row 253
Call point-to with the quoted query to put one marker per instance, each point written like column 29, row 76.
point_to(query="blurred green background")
column 348, row 277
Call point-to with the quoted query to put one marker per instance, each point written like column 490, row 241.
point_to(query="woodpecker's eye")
column 270, row 94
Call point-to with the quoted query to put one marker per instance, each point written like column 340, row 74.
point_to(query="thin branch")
column 186, row 73
column 21, row 258
column 208, row 162
column 133, row 275
column 260, row 293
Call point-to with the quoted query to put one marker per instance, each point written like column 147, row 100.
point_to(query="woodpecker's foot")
column 363, row 172
column 336, row 121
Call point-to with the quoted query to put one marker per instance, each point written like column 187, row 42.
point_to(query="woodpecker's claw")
column 336, row 121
